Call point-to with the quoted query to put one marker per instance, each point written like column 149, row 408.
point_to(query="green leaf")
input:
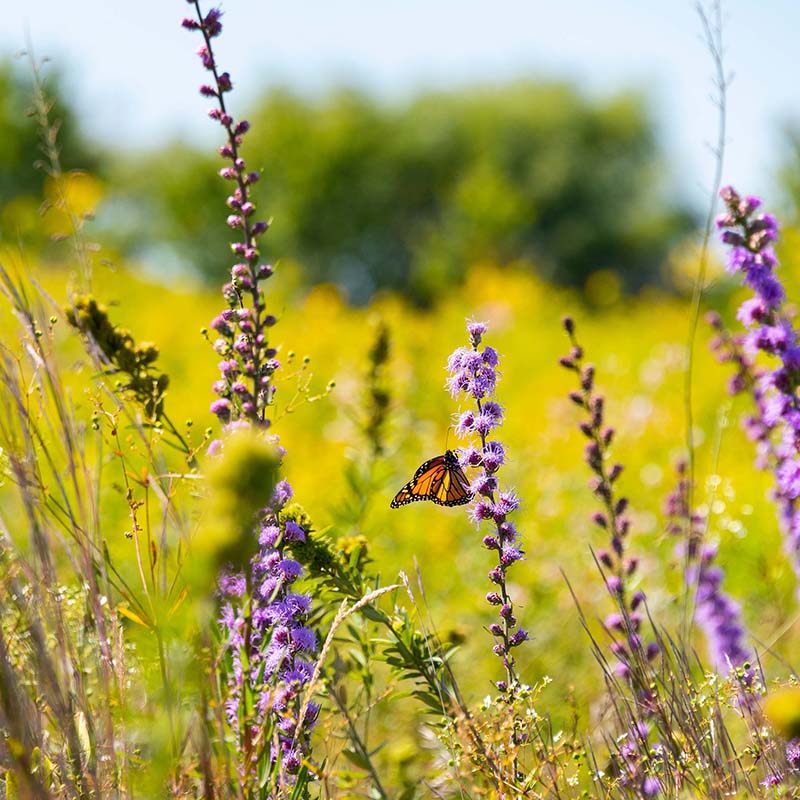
column 373, row 614
column 430, row 700
column 356, row 758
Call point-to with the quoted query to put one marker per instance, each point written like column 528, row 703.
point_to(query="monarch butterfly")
column 439, row 479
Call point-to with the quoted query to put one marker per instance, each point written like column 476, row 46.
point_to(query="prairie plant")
column 57, row 700
column 91, row 605
column 270, row 647
column 775, row 427
column 268, row 672
column 718, row 614
column 473, row 373
column 616, row 566
column 668, row 730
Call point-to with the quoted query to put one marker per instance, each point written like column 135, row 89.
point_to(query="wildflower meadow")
column 496, row 536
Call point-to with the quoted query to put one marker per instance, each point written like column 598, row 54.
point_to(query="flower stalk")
column 617, row 567
column 473, row 374
column 718, row 614
column 246, row 387
column 776, row 425
column 262, row 618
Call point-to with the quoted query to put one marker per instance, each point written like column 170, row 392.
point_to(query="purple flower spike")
column 717, row 613
column 776, row 425
column 279, row 647
column 472, row 374
column 279, row 636
column 247, row 339
column 617, row 567
column 793, row 754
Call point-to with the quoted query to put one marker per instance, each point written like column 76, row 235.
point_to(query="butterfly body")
column 440, row 480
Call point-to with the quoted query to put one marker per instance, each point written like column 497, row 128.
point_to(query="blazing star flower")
column 473, row 374
column 718, row 614
column 280, row 644
column 618, row 568
column 242, row 330
column 776, row 425
column 793, row 755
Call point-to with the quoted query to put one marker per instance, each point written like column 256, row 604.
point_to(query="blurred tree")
column 22, row 185
column 372, row 196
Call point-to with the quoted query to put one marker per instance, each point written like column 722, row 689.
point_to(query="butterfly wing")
column 454, row 489
column 422, row 486
column 440, row 480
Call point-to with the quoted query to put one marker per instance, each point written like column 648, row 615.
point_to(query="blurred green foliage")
column 22, row 186
column 409, row 197
column 373, row 196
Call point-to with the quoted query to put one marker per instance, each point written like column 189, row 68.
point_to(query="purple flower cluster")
column 750, row 237
column 248, row 363
column 473, row 373
column 276, row 640
column 651, row 786
column 748, row 377
column 619, row 568
column 718, row 614
column 772, row 779
column 636, row 761
column 776, row 426
column 681, row 520
column 793, row 755
column 263, row 617
column 636, row 757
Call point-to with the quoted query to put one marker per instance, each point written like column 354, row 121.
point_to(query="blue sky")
column 133, row 74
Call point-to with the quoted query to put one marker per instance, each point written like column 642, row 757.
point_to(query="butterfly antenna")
column 447, row 437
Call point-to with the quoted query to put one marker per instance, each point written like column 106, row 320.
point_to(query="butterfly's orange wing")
column 440, row 480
